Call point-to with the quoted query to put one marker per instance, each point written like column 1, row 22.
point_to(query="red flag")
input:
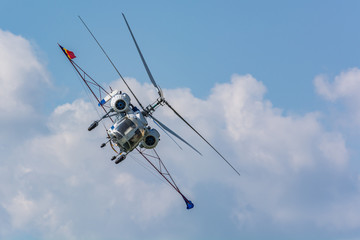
column 68, row 53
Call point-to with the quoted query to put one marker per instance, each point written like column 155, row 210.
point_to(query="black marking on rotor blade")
column 143, row 59
column 201, row 136
column 111, row 63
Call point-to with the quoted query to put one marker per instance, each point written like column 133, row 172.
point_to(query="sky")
column 272, row 85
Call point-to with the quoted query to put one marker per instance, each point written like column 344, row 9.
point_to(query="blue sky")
column 274, row 85
column 281, row 43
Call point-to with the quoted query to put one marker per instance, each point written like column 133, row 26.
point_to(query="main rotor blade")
column 143, row 59
column 173, row 133
column 167, row 134
column 111, row 62
column 201, row 136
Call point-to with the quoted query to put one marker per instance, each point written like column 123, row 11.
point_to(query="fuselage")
column 129, row 130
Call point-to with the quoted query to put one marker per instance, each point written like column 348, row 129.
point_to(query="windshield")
column 136, row 138
column 129, row 134
column 125, row 127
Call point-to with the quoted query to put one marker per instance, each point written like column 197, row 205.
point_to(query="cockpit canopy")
column 126, row 134
column 125, row 126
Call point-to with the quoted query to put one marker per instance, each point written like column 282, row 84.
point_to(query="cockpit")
column 126, row 134
column 125, row 126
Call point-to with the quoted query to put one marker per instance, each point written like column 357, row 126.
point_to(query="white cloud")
column 21, row 75
column 345, row 85
column 21, row 210
column 272, row 150
column 23, row 82
column 246, row 124
column 344, row 88
column 275, row 152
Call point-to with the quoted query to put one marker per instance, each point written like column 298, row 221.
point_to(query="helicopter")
column 129, row 130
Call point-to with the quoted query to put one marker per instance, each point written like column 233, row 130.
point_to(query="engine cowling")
column 120, row 102
column 151, row 139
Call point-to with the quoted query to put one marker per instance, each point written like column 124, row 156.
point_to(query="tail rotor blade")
column 201, row 136
column 173, row 133
column 143, row 60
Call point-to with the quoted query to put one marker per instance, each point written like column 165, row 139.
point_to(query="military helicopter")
column 129, row 129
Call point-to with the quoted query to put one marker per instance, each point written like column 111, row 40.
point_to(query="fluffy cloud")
column 257, row 134
column 66, row 176
column 345, row 85
column 60, row 178
column 344, row 88
column 23, row 82
column 21, row 74
column 284, row 159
